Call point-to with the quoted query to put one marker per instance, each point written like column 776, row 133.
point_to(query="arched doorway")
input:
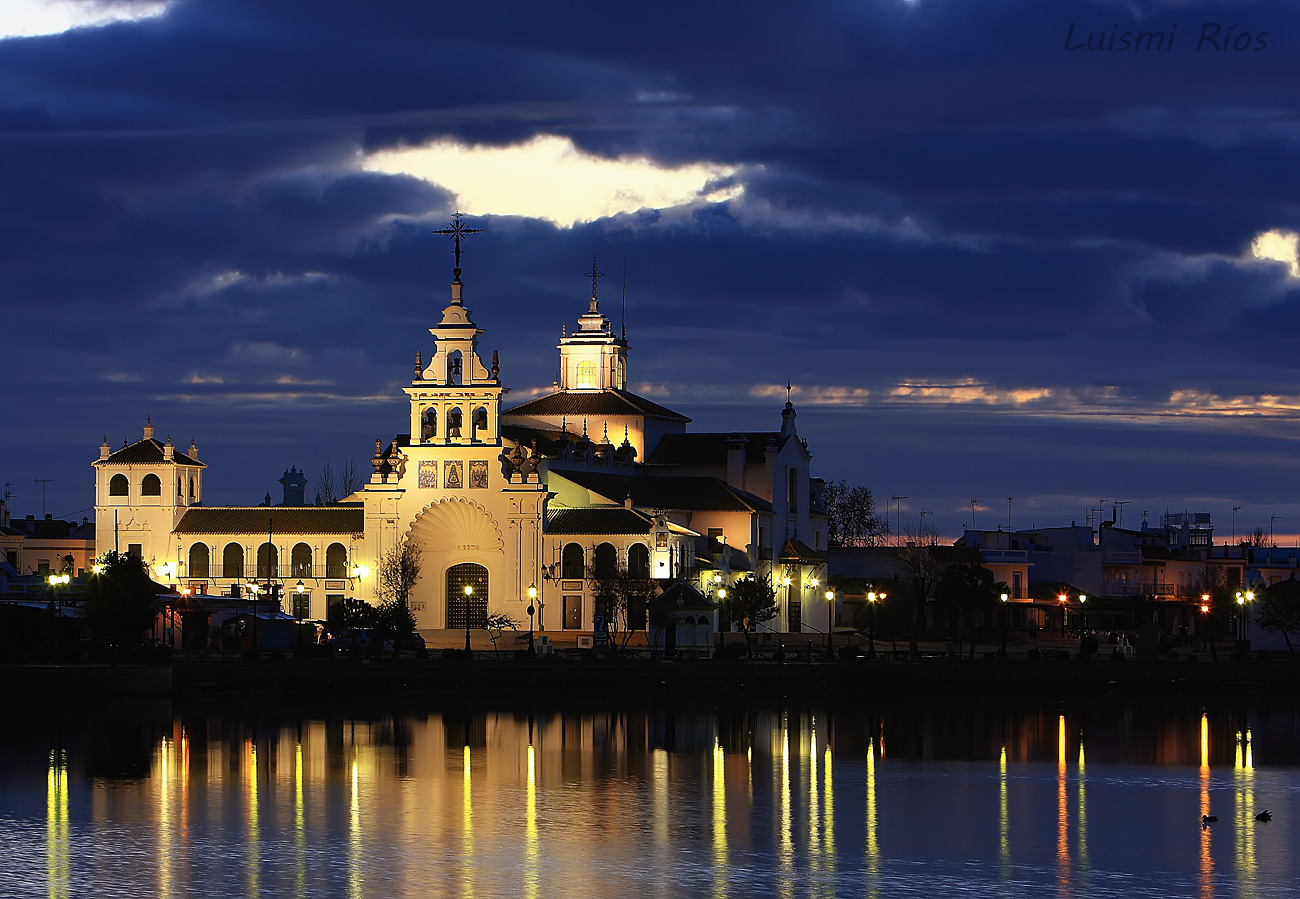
column 462, row 611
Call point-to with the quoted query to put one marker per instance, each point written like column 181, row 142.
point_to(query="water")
column 911, row 798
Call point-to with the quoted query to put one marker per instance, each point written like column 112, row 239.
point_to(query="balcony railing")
column 280, row 572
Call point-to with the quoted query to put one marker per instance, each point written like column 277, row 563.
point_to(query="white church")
column 590, row 478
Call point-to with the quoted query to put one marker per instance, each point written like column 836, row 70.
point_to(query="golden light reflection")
column 253, row 824
column 1062, row 816
column 299, row 825
column 467, row 833
column 1004, row 818
column 814, row 841
column 1206, row 857
column 828, row 789
column 785, row 850
column 166, row 834
column 872, row 847
column 1244, row 777
column 719, row 821
column 58, row 873
column 1081, row 837
column 354, row 837
column 531, row 847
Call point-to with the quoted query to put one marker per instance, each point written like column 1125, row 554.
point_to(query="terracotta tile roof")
column 604, row 402
column 798, row 551
column 711, row 449
column 349, row 519
column 148, row 451
column 598, row 520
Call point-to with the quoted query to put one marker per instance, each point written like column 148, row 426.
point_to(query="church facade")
column 510, row 508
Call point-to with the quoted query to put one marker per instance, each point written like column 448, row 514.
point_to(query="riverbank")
column 596, row 678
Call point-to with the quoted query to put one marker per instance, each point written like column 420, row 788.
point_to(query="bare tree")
column 325, row 485
column 349, row 479
column 851, row 518
column 621, row 599
column 1279, row 609
column 332, row 486
column 399, row 569
column 921, row 568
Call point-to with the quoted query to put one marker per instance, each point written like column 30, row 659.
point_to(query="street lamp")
column 532, row 596
column 1205, row 620
column 469, row 591
column 1004, row 597
column 1063, row 598
column 56, row 581
column 830, row 622
column 253, row 590
column 299, row 589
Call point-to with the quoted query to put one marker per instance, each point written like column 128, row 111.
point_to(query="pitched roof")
column 598, row 520
column 673, row 492
column 148, row 451
column 340, row 519
column 711, row 449
column 798, row 551
column 603, row 402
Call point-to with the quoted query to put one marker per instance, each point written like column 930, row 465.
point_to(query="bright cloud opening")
column 1280, row 246
column 549, row 178
column 33, row 18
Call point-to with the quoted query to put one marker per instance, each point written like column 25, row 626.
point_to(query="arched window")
column 191, row 490
column 792, row 492
column 586, row 374
column 605, row 561
column 232, row 561
column 453, row 367
column 429, row 429
column 180, row 488
column 480, row 421
column 638, row 561
column 300, row 560
column 467, row 611
column 573, row 561
column 336, row 561
column 621, row 382
column 268, row 560
column 199, row 560
column 151, row 486
column 118, row 486
column 453, row 423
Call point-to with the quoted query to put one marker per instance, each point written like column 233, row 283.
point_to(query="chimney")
column 104, row 448
column 194, row 450
column 148, row 428
column 169, row 451
column 295, row 487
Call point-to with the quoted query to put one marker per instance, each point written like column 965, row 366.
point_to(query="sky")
column 1000, row 249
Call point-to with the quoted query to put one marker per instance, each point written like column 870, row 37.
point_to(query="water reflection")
column 663, row 802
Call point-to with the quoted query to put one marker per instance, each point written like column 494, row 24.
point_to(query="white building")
column 590, row 477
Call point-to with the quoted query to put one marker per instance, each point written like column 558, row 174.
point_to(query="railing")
column 280, row 572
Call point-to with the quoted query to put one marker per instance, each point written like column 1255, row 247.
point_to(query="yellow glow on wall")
column 549, row 178
column 1278, row 246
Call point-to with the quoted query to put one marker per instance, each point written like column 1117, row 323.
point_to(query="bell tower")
column 592, row 358
column 455, row 399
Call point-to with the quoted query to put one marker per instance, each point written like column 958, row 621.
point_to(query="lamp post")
column 56, row 581
column 1205, row 620
column 469, row 591
column 1083, row 620
column 299, row 589
column 1004, row 597
column 830, row 622
column 1063, row 597
column 532, row 596
column 252, row 591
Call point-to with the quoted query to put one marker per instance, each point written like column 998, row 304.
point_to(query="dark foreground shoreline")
column 451, row 679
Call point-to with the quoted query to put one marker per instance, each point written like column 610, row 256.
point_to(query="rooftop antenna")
column 973, row 503
column 44, row 481
column 1235, row 510
column 1009, row 514
column 1271, row 541
column 1122, row 503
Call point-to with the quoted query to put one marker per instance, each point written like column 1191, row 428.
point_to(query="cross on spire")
column 594, row 274
column 456, row 231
